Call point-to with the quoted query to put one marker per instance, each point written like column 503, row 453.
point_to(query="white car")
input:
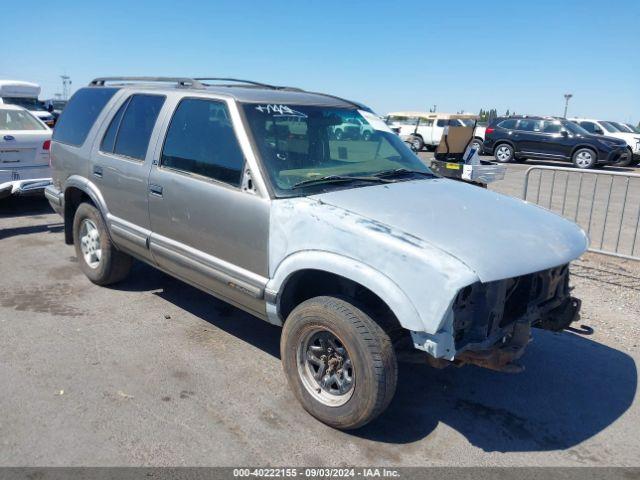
column 601, row 127
column 25, row 94
column 426, row 128
column 24, row 152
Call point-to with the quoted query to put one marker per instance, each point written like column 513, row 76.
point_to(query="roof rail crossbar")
column 181, row 81
column 238, row 80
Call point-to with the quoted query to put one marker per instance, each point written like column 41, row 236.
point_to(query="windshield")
column 621, row 127
column 610, row 127
column 391, row 119
column 299, row 143
column 30, row 103
column 18, row 120
column 573, row 128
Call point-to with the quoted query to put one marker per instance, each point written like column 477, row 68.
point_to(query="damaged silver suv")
column 353, row 245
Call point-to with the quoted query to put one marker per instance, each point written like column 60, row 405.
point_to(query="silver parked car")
column 354, row 246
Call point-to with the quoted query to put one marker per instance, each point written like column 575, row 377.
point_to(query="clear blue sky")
column 391, row 55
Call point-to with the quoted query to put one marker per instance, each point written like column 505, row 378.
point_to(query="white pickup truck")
column 425, row 129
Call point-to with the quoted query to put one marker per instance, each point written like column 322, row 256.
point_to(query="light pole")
column 66, row 83
column 567, row 96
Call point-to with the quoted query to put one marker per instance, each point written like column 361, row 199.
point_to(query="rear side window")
column 442, row 123
column 81, row 112
column 509, row 124
column 130, row 129
column 530, row 125
column 201, row 140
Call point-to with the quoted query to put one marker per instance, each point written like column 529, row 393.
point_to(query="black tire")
column 627, row 161
column 477, row 144
column 503, row 153
column 417, row 144
column 112, row 265
column 584, row 158
column 368, row 350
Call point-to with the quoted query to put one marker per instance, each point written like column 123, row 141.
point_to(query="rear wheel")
column 339, row 363
column 417, row 144
column 503, row 153
column 584, row 158
column 477, row 144
column 100, row 261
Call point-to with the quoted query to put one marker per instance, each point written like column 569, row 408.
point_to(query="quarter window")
column 130, row 130
column 508, row 124
column 201, row 140
column 77, row 118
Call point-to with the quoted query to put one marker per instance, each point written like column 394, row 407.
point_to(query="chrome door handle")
column 97, row 171
column 155, row 190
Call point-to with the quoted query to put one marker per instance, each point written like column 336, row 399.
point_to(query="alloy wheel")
column 325, row 368
column 90, row 243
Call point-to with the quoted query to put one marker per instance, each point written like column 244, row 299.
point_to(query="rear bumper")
column 55, row 197
column 33, row 186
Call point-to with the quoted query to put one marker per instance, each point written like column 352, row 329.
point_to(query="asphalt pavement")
column 154, row 372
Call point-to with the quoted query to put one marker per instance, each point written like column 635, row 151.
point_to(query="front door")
column 206, row 228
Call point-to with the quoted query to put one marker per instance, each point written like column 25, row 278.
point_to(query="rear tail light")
column 46, row 146
column 489, row 130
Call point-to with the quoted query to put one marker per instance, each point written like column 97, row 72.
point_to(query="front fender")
column 365, row 275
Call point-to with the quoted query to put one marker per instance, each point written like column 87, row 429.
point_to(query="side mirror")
column 564, row 133
column 598, row 132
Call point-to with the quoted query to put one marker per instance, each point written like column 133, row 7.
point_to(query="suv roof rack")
column 188, row 82
column 181, row 81
column 238, row 80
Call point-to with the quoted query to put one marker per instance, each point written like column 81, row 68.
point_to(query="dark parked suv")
column 519, row 138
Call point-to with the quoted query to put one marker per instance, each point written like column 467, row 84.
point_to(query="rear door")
column 24, row 145
column 120, row 168
column 208, row 227
column 529, row 136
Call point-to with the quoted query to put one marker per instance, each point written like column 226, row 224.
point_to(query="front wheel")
column 627, row 161
column 504, row 153
column 584, row 158
column 99, row 259
column 339, row 363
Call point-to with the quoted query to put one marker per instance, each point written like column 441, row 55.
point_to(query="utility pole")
column 66, row 83
column 567, row 96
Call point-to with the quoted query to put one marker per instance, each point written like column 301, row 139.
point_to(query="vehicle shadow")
column 22, row 206
column 572, row 388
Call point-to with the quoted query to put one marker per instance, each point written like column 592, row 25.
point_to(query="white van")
column 25, row 95
column 426, row 128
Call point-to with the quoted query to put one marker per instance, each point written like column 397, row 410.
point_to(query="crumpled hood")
column 494, row 235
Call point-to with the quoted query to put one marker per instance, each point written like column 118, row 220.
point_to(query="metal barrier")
column 609, row 215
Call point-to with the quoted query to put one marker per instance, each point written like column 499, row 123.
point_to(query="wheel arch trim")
column 356, row 271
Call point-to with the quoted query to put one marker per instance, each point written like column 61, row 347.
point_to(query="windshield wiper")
column 402, row 171
column 338, row 179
